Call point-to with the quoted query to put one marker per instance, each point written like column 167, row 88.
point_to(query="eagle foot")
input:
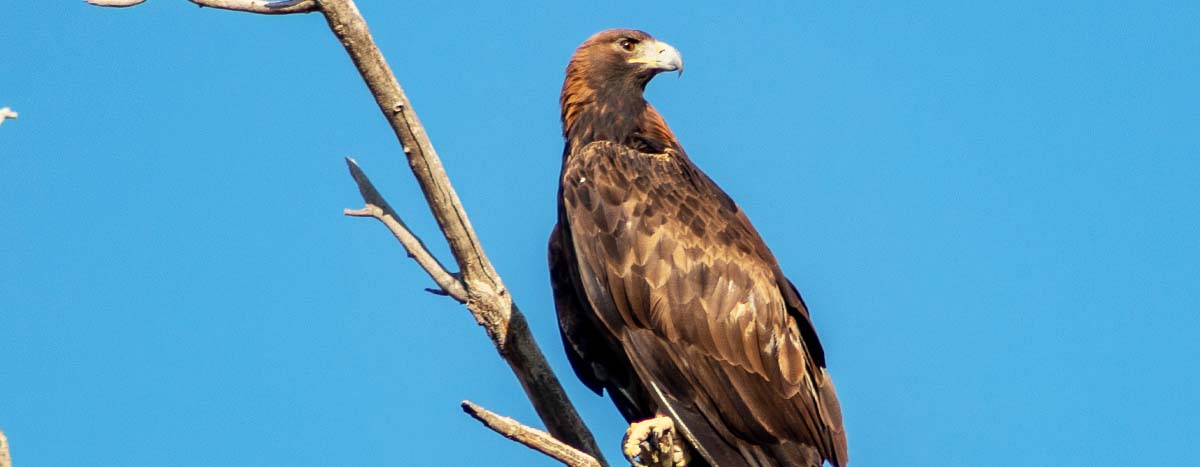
column 654, row 443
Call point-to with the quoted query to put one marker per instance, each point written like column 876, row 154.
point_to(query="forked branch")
column 487, row 299
column 378, row 208
column 477, row 284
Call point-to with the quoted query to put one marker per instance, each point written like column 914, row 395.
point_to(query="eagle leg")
column 654, row 443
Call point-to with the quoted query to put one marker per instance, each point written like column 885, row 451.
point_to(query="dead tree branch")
column 531, row 437
column 6, row 113
column 487, row 299
column 477, row 284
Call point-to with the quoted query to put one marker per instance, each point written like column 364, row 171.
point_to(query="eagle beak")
column 660, row 56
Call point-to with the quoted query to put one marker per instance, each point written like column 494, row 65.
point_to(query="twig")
column 250, row 6
column 531, row 437
column 378, row 208
column 6, row 112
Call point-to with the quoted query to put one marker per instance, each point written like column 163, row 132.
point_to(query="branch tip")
column 364, row 212
column 531, row 437
column 114, row 3
column 7, row 113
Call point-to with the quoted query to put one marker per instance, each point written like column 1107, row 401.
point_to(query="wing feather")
column 594, row 354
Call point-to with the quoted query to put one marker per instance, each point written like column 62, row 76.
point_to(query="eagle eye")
column 627, row 44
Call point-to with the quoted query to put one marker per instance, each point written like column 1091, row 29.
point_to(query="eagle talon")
column 652, row 443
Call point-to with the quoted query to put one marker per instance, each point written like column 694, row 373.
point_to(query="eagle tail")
column 708, row 449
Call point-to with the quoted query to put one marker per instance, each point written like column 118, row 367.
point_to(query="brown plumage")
column 667, row 297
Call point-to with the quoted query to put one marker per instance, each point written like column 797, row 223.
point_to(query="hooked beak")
column 660, row 57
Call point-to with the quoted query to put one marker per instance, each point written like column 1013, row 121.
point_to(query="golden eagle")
column 666, row 295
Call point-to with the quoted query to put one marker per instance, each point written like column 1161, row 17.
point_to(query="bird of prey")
column 667, row 297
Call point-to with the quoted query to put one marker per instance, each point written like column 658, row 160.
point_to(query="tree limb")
column 250, row 6
column 6, row 112
column 531, row 437
column 481, row 288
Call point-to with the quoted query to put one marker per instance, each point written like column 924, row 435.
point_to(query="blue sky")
column 991, row 210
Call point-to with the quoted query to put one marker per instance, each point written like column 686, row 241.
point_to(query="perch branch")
column 5, row 113
column 250, row 6
column 531, row 437
column 378, row 208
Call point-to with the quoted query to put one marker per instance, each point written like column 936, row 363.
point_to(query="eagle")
column 667, row 298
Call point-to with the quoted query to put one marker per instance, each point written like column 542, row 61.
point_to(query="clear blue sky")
column 991, row 210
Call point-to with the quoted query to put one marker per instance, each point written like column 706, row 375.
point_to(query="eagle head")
column 624, row 54
column 602, row 93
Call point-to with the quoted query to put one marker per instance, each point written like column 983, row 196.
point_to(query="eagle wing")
column 595, row 356
column 669, row 272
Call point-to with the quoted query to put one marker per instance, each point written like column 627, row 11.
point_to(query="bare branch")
column 250, row 6
column 487, row 299
column 531, row 437
column 347, row 23
column 6, row 112
column 378, row 208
